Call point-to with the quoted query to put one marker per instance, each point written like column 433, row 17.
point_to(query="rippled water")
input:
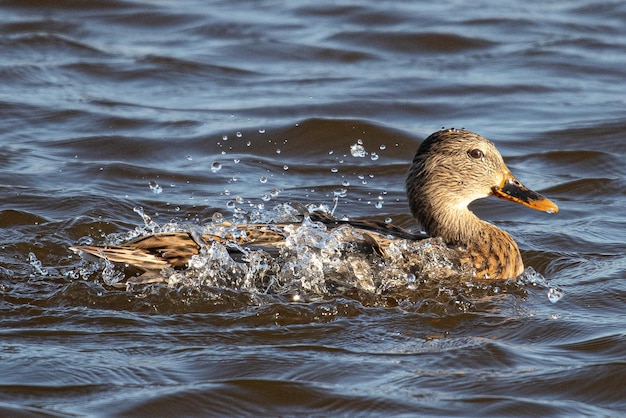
column 181, row 111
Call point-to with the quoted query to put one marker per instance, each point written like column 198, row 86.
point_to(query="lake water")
column 112, row 109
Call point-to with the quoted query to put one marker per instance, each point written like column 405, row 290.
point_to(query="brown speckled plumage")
column 451, row 169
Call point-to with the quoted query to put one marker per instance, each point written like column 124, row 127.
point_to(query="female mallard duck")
column 451, row 169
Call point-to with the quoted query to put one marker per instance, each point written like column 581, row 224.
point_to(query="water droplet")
column 189, row 157
column 330, row 152
column 238, row 134
column 334, row 170
column 224, row 137
column 216, row 166
column 248, row 143
column 236, row 160
column 285, row 167
column 277, row 150
column 374, row 156
column 357, row 150
column 340, row 192
column 411, row 282
column 226, row 192
column 554, row 294
column 274, row 192
column 379, row 204
column 230, row 204
column 156, row 189
column 265, row 197
column 383, row 147
column 239, row 199
column 388, row 220
column 263, row 179
column 261, row 131
column 345, row 183
column 217, row 218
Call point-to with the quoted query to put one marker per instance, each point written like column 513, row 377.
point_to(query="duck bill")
column 512, row 189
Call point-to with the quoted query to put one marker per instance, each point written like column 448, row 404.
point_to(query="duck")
column 451, row 169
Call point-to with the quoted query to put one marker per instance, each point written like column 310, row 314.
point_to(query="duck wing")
column 378, row 227
column 152, row 252
column 175, row 249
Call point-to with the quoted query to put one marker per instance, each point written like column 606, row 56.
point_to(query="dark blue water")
column 108, row 107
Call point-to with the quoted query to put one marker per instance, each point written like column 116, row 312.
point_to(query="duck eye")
column 476, row 154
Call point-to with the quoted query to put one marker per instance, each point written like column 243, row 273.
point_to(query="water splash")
column 148, row 222
column 312, row 262
column 358, row 150
column 110, row 275
column 37, row 265
column 535, row 279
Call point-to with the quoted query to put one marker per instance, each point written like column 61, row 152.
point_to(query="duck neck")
column 492, row 251
column 456, row 225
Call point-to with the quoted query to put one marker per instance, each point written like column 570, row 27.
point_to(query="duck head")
column 451, row 169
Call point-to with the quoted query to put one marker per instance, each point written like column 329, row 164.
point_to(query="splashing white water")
column 535, row 279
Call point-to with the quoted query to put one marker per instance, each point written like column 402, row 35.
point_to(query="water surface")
column 109, row 107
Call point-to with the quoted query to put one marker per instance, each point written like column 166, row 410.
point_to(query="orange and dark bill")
column 512, row 189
